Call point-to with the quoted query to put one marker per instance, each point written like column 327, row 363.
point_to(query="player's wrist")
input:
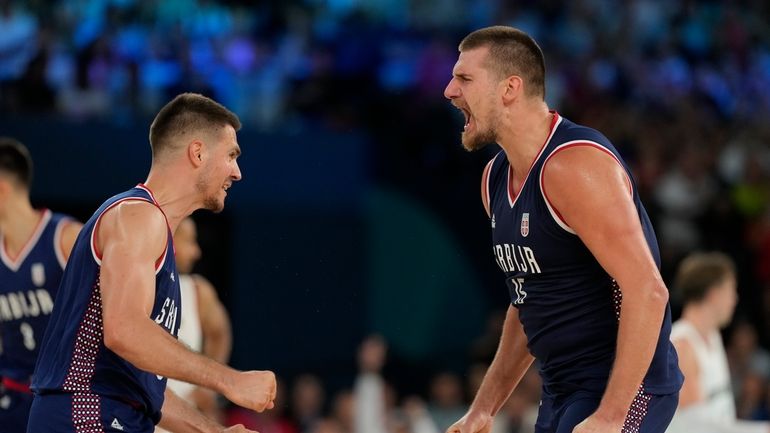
column 481, row 410
column 612, row 413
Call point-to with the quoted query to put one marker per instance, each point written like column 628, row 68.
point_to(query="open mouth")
column 467, row 116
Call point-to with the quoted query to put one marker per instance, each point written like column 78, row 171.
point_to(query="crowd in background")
column 682, row 88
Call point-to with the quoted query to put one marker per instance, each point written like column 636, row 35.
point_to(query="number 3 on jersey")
column 516, row 288
column 28, row 334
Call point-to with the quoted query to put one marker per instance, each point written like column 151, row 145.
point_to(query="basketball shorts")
column 649, row 413
column 85, row 413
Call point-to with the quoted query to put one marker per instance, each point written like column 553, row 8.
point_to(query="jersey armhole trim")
column 551, row 209
column 485, row 175
column 97, row 255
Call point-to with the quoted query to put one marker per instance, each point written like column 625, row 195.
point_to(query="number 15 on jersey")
column 516, row 289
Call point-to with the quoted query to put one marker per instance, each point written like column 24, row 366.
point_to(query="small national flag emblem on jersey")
column 525, row 224
column 38, row 274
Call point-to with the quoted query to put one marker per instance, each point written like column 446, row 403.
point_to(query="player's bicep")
column 691, row 391
column 131, row 236
column 213, row 315
column 69, row 235
column 591, row 192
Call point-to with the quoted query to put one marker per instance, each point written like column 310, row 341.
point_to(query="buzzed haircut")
column 700, row 272
column 188, row 112
column 511, row 52
column 15, row 161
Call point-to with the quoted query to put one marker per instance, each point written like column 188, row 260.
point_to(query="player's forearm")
column 148, row 347
column 217, row 344
column 641, row 316
column 178, row 416
column 508, row 367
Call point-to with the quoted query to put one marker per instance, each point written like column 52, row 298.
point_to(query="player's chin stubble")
column 479, row 141
column 211, row 201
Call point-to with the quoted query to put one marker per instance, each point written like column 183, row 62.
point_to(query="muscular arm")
column 69, row 234
column 215, row 323
column 691, row 392
column 508, row 367
column 592, row 193
column 179, row 416
column 131, row 237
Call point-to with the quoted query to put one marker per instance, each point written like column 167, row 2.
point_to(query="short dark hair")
column 15, row 161
column 698, row 273
column 511, row 52
column 188, row 112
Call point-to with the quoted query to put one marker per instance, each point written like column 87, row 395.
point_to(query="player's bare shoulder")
column 134, row 222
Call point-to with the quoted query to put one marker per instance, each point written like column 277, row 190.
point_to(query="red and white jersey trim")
column 512, row 198
column 15, row 263
column 553, row 211
column 485, row 174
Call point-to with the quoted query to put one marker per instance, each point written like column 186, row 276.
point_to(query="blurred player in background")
column 706, row 285
column 110, row 343
column 578, row 251
column 205, row 326
column 34, row 247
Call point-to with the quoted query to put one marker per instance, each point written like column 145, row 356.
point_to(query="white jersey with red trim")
column 569, row 306
column 73, row 357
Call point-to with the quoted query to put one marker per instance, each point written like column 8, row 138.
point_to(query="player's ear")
column 513, row 86
column 195, row 152
column 5, row 189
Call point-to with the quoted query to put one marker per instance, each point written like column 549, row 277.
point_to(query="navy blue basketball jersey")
column 568, row 305
column 73, row 357
column 28, row 285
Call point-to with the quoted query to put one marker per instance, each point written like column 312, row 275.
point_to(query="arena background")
column 359, row 212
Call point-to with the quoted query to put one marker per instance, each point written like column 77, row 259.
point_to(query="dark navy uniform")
column 568, row 305
column 81, row 385
column 28, row 285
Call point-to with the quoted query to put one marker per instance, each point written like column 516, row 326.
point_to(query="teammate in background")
column 578, row 251
column 111, row 341
column 706, row 285
column 205, row 325
column 34, row 247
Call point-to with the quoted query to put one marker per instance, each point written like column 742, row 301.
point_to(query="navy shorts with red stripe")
column 649, row 413
column 85, row 413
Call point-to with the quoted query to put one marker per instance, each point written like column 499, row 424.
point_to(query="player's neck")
column 18, row 222
column 701, row 319
column 175, row 194
column 523, row 135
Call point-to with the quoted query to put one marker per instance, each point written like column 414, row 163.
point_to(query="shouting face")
column 472, row 90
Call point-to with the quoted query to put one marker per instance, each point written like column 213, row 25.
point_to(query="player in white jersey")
column 706, row 286
column 205, row 326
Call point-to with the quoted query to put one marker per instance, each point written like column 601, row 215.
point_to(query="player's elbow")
column 115, row 337
column 658, row 294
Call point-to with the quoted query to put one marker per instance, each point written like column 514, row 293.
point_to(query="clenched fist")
column 238, row 429
column 252, row 389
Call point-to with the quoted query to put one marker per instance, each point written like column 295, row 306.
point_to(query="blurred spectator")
column 307, row 402
column 375, row 411
column 446, row 404
column 749, row 369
